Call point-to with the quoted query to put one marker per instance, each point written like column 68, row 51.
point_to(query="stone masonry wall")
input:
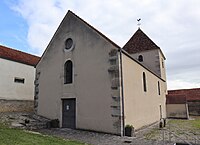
column 16, row 106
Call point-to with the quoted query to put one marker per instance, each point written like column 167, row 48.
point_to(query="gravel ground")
column 17, row 119
column 150, row 135
column 94, row 138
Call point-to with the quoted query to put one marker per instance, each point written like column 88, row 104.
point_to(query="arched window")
column 158, row 88
column 68, row 72
column 144, row 82
column 140, row 58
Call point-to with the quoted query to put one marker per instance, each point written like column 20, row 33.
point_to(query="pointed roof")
column 101, row 34
column 69, row 12
column 18, row 56
column 139, row 42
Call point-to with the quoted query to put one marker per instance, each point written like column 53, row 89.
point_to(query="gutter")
column 122, row 93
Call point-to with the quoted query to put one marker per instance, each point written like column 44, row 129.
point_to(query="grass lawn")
column 192, row 125
column 10, row 136
column 178, row 126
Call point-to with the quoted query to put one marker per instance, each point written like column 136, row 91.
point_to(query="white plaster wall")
column 153, row 59
column 141, row 108
column 11, row 90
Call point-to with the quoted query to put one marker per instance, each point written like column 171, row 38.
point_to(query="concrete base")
column 177, row 111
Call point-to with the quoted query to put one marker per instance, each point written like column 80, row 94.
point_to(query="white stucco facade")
column 11, row 90
column 142, row 107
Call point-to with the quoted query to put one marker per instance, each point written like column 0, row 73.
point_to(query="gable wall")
column 141, row 108
column 91, row 80
column 162, row 66
column 11, row 90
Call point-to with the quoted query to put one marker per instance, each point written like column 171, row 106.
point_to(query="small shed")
column 192, row 97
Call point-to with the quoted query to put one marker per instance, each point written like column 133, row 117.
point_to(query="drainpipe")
column 122, row 89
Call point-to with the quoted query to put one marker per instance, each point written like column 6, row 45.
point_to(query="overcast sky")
column 174, row 25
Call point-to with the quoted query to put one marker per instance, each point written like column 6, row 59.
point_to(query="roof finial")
column 138, row 20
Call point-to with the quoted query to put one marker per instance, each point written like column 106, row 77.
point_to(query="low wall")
column 16, row 106
column 177, row 111
column 194, row 107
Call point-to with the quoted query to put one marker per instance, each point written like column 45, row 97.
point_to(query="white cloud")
column 181, row 84
column 173, row 25
column 43, row 17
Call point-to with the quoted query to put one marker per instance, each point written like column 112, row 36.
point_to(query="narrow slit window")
column 144, row 82
column 158, row 88
column 163, row 63
column 140, row 58
column 68, row 71
column 19, row 80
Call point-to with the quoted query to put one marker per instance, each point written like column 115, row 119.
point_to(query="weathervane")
column 138, row 20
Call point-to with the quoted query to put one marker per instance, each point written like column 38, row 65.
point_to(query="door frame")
column 63, row 99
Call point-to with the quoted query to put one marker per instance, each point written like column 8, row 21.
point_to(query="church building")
column 88, row 82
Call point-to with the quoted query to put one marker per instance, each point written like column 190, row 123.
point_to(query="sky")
column 174, row 25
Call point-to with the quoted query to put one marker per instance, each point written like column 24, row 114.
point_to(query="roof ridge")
column 185, row 89
column 100, row 33
column 18, row 56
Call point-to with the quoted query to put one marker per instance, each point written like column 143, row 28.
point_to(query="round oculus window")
column 68, row 43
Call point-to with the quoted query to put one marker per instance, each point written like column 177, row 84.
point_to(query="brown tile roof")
column 139, row 42
column 191, row 94
column 176, row 99
column 18, row 56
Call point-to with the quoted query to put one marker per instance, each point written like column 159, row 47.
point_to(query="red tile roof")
column 139, row 42
column 18, row 56
column 191, row 94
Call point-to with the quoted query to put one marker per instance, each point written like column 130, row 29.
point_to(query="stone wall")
column 16, row 106
column 194, row 107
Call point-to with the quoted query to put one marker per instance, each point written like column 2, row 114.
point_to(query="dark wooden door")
column 69, row 113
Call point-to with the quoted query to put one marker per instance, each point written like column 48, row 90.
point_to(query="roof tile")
column 18, row 56
column 176, row 99
column 139, row 42
column 191, row 94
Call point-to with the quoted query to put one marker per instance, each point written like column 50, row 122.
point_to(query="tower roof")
column 139, row 42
